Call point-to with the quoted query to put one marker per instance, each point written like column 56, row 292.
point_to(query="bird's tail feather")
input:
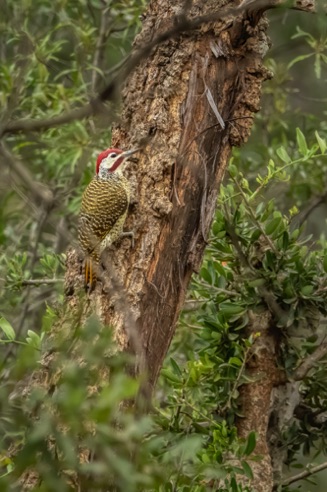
column 90, row 278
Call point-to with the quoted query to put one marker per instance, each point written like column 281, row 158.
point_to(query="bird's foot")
column 129, row 234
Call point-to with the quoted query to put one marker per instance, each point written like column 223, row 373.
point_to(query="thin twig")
column 192, row 305
column 219, row 290
column 100, row 48
column 305, row 474
column 310, row 361
column 311, row 207
column 112, row 70
column 40, row 281
column 28, row 125
column 38, row 190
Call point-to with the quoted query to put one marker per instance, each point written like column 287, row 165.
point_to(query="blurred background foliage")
column 54, row 57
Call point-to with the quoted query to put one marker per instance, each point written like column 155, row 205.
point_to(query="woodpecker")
column 104, row 208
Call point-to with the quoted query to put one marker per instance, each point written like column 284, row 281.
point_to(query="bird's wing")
column 103, row 204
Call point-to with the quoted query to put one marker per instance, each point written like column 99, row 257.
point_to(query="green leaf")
column 247, row 469
column 176, row 367
column 33, row 339
column 300, row 33
column 283, row 155
column 233, row 482
column 256, row 282
column 301, row 142
column 307, row 290
column 7, row 329
column 285, row 240
column 295, row 234
column 232, row 169
column 298, row 59
column 317, row 66
column 273, row 225
column 321, row 142
column 168, row 374
column 204, row 273
column 235, row 361
column 231, row 308
column 251, row 443
column 255, row 235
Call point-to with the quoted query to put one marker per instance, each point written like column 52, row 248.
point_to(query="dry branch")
column 310, row 361
column 39, row 191
column 305, row 474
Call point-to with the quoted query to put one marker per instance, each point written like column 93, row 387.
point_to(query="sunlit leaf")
column 7, row 329
column 301, row 142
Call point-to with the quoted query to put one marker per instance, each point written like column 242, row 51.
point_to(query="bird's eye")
column 112, row 155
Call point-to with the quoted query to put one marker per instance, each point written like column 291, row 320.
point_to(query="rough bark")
column 256, row 397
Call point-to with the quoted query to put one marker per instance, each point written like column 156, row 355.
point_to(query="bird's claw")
column 129, row 234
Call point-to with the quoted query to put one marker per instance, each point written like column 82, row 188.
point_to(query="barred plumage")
column 103, row 211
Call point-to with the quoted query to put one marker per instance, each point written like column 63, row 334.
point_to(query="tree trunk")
column 192, row 100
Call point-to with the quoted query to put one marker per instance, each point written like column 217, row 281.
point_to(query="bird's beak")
column 127, row 153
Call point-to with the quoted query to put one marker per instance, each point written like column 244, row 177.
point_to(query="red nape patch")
column 105, row 154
